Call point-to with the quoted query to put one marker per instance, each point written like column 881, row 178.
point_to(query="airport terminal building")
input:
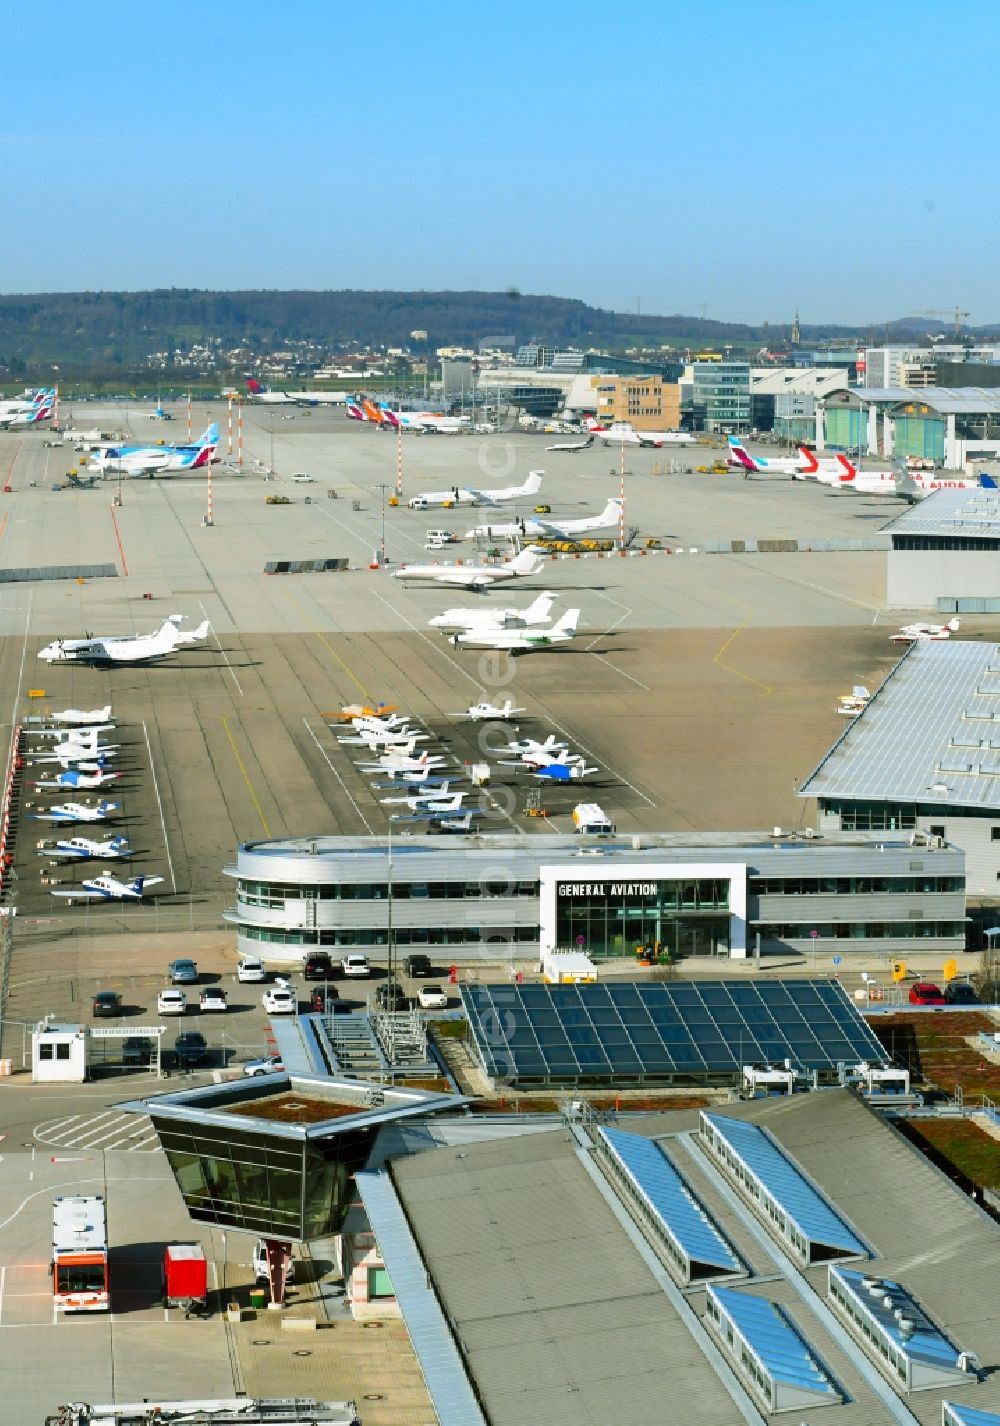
column 728, row 894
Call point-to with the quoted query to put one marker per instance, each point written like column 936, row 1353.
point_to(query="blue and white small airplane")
column 82, row 848
column 74, row 778
column 563, row 772
column 108, row 888
column 69, row 812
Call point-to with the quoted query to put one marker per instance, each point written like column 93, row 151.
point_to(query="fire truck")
column 80, row 1254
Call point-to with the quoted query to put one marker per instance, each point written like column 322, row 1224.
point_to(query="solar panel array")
column 635, row 1031
column 784, row 1182
column 777, row 1346
column 658, row 1184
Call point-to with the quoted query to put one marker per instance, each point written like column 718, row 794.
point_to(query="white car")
column 212, row 998
column 356, row 965
column 250, row 969
column 302, row 479
column 279, row 1001
column 270, row 1064
column 432, row 997
column 260, row 1274
column 171, row 1002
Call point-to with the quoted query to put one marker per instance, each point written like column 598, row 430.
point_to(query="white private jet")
column 535, row 526
column 455, row 620
column 69, row 812
column 472, row 576
column 919, row 633
column 573, row 445
column 75, row 777
column 520, row 641
column 466, row 495
column 489, row 712
column 81, row 717
column 82, row 848
column 109, row 650
column 108, row 888
column 623, row 433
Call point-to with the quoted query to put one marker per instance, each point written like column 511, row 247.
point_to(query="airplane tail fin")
column 594, row 425
column 533, row 483
column 850, row 471
column 136, row 885
column 354, row 411
column 536, row 611
column 201, row 633
column 953, row 625
column 987, row 482
column 388, row 415
column 372, row 412
column 810, row 463
column 567, row 624
column 254, row 386
column 590, row 440
column 736, row 448
column 525, row 563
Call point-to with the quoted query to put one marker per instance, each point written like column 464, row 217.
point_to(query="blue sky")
column 756, row 157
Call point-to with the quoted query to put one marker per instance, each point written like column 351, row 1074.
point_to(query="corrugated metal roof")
column 941, row 399
column 971, row 513
column 438, row 1355
column 931, row 734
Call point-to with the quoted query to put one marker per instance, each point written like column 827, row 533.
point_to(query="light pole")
column 383, row 488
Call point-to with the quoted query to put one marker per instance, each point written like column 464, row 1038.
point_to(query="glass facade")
column 681, row 918
column 264, row 1183
column 722, row 389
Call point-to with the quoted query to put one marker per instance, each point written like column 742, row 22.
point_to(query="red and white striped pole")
column 208, row 517
column 229, row 428
column 399, row 462
column 621, row 497
column 55, row 411
column 189, row 416
column 239, row 432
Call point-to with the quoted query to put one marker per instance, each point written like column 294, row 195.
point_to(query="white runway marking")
column 159, row 805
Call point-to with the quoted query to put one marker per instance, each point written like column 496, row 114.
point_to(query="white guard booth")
column 59, row 1053
column 568, row 968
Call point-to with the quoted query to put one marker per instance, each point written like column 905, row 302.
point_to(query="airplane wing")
column 80, row 895
column 151, row 881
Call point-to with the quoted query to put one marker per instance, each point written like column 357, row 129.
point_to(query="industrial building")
column 922, row 760
column 915, row 367
column 647, row 403
column 726, row 894
column 951, row 426
column 720, row 396
column 783, row 400
column 780, row 1256
column 943, row 553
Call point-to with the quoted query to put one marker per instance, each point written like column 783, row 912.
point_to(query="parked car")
column 260, row 1264
column 171, row 1002
column 250, row 969
column 269, row 1064
column 182, row 972
column 213, row 998
column 318, row 966
column 432, row 997
column 190, row 1047
column 279, row 1001
column 107, row 1003
column 391, row 996
column 925, row 992
column 417, row 965
column 325, row 1000
column 960, row 992
column 356, row 965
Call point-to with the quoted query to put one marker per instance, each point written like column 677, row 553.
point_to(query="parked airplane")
column 794, row 466
column 73, row 777
column 158, row 460
column 524, row 746
column 439, row 799
column 83, row 716
column 918, row 484
column 77, row 812
column 851, row 704
column 537, row 612
column 573, row 445
column 466, row 495
column 489, row 712
column 108, row 888
column 623, row 433
column 396, row 762
column 82, row 848
column 293, row 398
column 122, row 649
column 89, row 757
column 562, row 772
column 445, row 823
column 918, row 633
column 472, row 576
column 520, row 641
column 29, row 409
column 421, row 420
column 534, row 526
